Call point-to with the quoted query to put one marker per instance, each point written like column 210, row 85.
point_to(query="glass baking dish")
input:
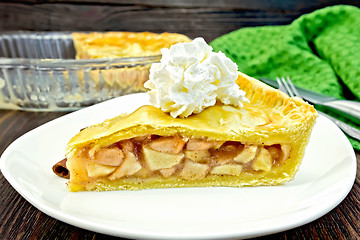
column 39, row 72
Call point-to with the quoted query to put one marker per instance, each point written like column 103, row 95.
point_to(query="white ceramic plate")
column 324, row 179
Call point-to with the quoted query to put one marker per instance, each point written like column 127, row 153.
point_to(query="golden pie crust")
column 123, row 44
column 112, row 45
column 267, row 139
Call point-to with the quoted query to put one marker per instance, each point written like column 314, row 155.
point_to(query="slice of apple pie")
column 261, row 143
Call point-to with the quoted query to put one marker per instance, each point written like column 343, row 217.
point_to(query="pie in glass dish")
column 123, row 44
column 134, row 50
column 261, row 143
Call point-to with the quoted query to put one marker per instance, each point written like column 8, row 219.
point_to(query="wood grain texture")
column 266, row 5
column 210, row 19
column 206, row 22
column 205, row 18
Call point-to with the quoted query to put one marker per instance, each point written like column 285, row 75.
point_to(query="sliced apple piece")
column 275, row 151
column 144, row 138
column 263, row 160
column 286, row 149
column 156, row 160
column 231, row 147
column 111, row 156
column 98, row 170
column 198, row 144
column 127, row 145
column 197, row 155
column 193, row 170
column 218, row 144
column 247, row 154
column 142, row 173
column 129, row 167
column 172, row 145
column 227, row 169
column 78, row 165
column 167, row 172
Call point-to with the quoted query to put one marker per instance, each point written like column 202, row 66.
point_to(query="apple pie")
column 123, row 44
column 261, row 143
column 136, row 45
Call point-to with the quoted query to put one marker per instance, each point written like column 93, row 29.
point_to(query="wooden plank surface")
column 206, row 22
column 208, row 19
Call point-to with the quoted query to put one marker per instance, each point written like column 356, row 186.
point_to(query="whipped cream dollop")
column 191, row 77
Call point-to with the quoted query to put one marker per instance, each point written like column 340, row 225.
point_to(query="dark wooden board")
column 208, row 19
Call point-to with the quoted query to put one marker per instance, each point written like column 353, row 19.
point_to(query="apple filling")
column 191, row 159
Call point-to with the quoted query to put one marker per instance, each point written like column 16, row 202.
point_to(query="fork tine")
column 293, row 88
column 281, row 85
column 285, row 87
column 289, row 88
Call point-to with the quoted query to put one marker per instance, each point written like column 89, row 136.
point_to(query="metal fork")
column 286, row 86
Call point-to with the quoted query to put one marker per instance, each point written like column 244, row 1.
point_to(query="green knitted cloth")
column 319, row 51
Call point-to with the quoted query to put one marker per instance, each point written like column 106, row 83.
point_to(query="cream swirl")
column 191, row 77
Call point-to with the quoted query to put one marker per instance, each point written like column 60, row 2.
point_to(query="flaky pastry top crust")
column 271, row 117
